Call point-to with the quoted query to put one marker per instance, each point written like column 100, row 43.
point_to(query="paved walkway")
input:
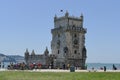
column 60, row 70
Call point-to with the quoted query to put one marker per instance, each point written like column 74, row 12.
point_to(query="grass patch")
column 23, row 75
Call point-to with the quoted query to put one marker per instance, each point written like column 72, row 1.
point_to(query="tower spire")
column 81, row 17
column 66, row 14
column 27, row 50
column 55, row 17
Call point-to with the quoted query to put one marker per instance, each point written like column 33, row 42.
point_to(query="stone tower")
column 68, row 41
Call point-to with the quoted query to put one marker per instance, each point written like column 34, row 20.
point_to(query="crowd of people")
column 23, row 66
column 105, row 68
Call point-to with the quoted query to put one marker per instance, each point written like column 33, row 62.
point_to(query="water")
column 5, row 64
column 97, row 66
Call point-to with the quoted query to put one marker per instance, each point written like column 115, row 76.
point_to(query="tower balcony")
column 76, row 29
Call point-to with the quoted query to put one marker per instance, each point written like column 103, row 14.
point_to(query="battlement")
column 67, row 16
column 67, row 20
column 70, row 28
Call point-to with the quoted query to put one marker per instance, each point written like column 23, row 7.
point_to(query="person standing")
column 63, row 66
column 68, row 66
column 0, row 64
column 114, row 67
column 104, row 68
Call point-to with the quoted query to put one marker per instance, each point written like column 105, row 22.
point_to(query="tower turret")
column 33, row 53
column 26, row 55
column 46, row 52
column 66, row 14
column 26, row 52
column 81, row 17
column 55, row 17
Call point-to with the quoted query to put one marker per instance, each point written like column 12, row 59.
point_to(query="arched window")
column 75, row 41
column 65, row 49
column 75, row 35
column 58, row 51
column 58, row 42
column 58, row 35
column 75, row 52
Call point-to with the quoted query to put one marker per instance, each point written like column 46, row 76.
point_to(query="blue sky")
column 28, row 23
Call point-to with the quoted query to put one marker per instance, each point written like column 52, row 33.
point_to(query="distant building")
column 68, row 41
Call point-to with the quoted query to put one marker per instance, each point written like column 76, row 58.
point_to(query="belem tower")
column 67, row 45
column 68, row 41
